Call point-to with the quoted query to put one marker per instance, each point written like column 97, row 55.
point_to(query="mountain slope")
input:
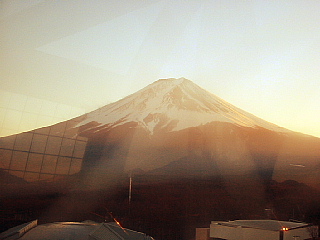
column 172, row 104
column 171, row 127
column 174, row 127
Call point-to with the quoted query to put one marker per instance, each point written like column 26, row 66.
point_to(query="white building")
column 262, row 230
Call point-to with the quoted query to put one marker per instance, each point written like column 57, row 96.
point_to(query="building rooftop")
column 271, row 225
column 87, row 230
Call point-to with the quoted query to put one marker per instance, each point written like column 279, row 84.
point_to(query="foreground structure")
column 258, row 229
column 87, row 230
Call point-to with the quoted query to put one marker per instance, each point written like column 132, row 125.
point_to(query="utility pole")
column 130, row 188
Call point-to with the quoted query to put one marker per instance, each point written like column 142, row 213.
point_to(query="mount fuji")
column 172, row 105
column 174, row 127
column 171, row 128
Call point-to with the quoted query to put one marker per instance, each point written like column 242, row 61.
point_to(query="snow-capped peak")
column 172, row 104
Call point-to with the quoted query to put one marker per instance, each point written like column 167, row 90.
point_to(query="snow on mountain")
column 174, row 104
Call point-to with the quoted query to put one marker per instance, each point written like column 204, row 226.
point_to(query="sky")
column 62, row 58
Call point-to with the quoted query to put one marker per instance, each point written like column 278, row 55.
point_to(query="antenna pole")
column 130, row 187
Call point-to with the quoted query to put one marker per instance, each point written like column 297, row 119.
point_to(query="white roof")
column 271, row 225
column 87, row 230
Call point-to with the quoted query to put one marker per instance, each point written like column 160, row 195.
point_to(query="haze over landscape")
column 163, row 114
column 187, row 156
column 61, row 59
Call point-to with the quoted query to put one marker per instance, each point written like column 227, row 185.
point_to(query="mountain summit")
column 172, row 105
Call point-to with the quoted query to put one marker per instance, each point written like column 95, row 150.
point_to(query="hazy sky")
column 66, row 57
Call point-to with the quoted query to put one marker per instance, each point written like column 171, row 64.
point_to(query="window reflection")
column 79, row 149
column 58, row 129
column 8, row 142
column 63, row 165
column 75, row 166
column 53, row 145
column 19, row 161
column 34, row 162
column 45, row 154
column 31, row 177
column 5, row 157
column 23, row 142
column 44, row 130
column 67, row 147
column 18, row 174
column 71, row 132
column 39, row 143
column 46, row 177
column 49, row 164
